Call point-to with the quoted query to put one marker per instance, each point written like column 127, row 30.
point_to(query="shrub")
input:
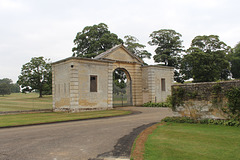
column 233, row 109
column 162, row 104
column 230, row 122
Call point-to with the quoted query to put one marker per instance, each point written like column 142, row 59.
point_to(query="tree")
column 94, row 40
column 136, row 48
column 206, row 60
column 5, row 86
column 169, row 46
column 235, row 61
column 8, row 86
column 36, row 75
column 15, row 88
column 119, row 80
column 4, row 89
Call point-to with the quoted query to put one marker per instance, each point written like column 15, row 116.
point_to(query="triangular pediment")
column 119, row 53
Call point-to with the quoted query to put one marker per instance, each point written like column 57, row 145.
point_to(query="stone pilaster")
column 151, row 85
column 74, row 95
column 110, row 85
column 53, row 87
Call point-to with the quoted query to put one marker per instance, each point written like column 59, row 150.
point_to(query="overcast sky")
column 33, row 28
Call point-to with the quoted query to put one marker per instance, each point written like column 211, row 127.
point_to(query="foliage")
column 4, row 89
column 161, row 104
column 233, row 108
column 179, row 120
column 177, row 97
column 119, row 78
column 8, row 87
column 217, row 94
column 206, row 60
column 235, row 61
column 136, row 48
column 36, row 75
column 225, row 122
column 6, row 81
column 178, row 76
column 169, row 46
column 15, row 88
column 94, row 40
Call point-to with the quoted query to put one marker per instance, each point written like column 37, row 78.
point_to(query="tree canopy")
column 235, row 61
column 7, row 87
column 136, row 48
column 169, row 46
column 93, row 40
column 36, row 75
column 206, row 60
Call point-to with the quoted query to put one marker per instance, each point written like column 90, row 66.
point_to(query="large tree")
column 136, row 48
column 206, row 60
column 169, row 46
column 235, row 61
column 93, row 40
column 36, row 75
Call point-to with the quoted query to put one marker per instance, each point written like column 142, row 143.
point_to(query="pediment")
column 119, row 53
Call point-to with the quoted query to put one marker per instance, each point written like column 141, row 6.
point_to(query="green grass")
column 175, row 141
column 21, row 102
column 35, row 118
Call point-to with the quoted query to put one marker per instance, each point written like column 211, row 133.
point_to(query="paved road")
column 80, row 140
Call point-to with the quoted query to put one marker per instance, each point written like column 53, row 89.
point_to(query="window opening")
column 163, row 85
column 93, row 83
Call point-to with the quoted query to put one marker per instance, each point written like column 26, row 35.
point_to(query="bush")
column 162, row 104
column 178, row 120
column 233, row 109
column 226, row 122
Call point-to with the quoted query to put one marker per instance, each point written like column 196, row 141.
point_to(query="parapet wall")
column 202, row 100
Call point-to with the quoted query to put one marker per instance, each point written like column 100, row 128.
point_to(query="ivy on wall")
column 223, row 98
column 233, row 109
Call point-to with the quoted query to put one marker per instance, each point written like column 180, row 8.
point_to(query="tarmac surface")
column 98, row 139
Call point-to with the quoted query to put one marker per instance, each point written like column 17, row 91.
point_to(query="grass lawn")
column 21, row 102
column 34, row 118
column 178, row 141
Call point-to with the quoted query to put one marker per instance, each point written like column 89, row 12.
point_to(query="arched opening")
column 122, row 88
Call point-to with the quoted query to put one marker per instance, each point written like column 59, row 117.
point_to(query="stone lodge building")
column 87, row 84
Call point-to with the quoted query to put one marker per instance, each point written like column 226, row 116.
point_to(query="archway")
column 122, row 88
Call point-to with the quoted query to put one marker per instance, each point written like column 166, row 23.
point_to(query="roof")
column 80, row 58
column 106, row 53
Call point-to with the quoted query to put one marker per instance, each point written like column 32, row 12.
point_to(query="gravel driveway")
column 80, row 140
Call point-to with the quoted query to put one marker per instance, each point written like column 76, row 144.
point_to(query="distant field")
column 21, row 102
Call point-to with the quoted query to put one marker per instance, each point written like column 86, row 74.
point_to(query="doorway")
column 122, row 88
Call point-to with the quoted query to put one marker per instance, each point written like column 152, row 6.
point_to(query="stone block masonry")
column 202, row 100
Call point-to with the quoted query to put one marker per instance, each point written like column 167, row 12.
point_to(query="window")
column 163, row 85
column 93, row 83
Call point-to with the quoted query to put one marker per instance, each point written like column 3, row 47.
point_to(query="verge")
column 138, row 146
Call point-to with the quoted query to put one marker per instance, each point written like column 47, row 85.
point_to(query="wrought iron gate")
column 122, row 96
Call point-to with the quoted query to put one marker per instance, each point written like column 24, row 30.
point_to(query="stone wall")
column 152, row 77
column 202, row 100
column 71, row 85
